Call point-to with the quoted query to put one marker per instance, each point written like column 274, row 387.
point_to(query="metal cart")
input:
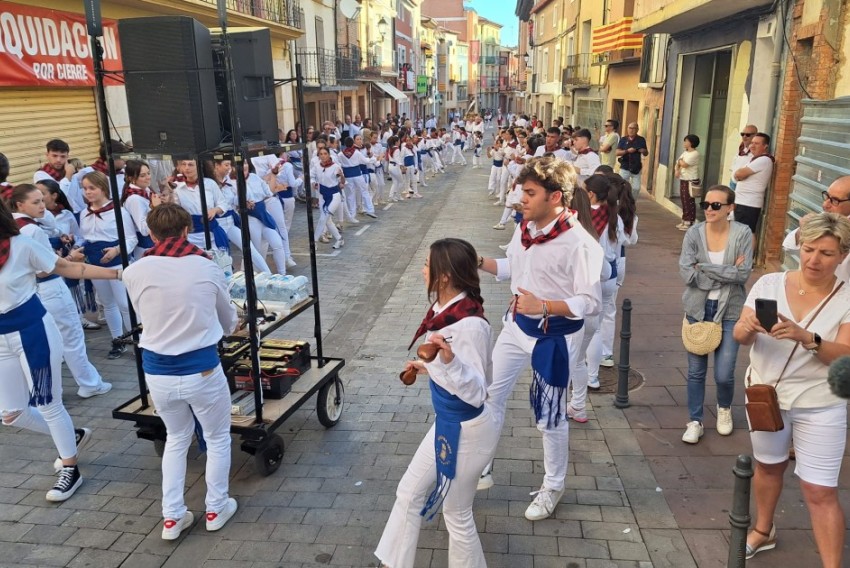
column 258, row 431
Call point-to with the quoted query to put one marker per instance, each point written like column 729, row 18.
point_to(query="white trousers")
column 262, row 237
column 495, row 180
column 413, row 179
column 438, row 160
column 116, row 307
column 277, row 209
column 326, row 218
column 578, row 376
column 399, row 181
column 594, row 349
column 349, row 201
column 57, row 300
column 504, row 181
column 457, row 154
column 377, row 184
column 512, row 356
column 175, row 399
column 609, row 324
column 397, row 548
column 16, row 384
column 361, row 188
column 234, row 235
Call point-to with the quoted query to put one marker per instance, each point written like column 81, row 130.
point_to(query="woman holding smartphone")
column 813, row 330
column 715, row 263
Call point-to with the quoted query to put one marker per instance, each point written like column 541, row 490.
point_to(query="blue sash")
column 55, row 242
column 450, row 412
column 94, row 252
column 327, row 195
column 351, row 171
column 613, row 264
column 27, row 319
column 622, row 251
column 219, row 235
column 285, row 194
column 294, row 159
column 364, row 170
column 408, row 161
column 83, row 295
column 260, row 212
column 196, row 361
column 47, row 278
column 144, row 242
column 498, row 163
column 550, row 363
column 458, row 142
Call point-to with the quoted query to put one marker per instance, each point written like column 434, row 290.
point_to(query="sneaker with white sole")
column 607, row 361
column 171, row 528
column 544, row 504
column 573, row 413
column 499, row 226
column 503, row 247
column 83, row 438
column 338, row 244
column 66, row 485
column 693, row 432
column 89, row 325
column 485, row 481
column 290, row 263
column 217, row 520
column 103, row 388
column 593, row 384
column 724, row 421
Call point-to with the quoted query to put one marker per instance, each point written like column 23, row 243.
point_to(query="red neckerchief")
column 101, row 166
column 175, row 247
column 327, row 164
column 587, row 150
column 57, row 209
column 392, row 151
column 131, row 189
column 349, row 151
column 561, row 226
column 463, row 308
column 97, row 212
column 58, row 175
column 6, row 190
column 409, row 145
column 513, row 144
column 5, row 249
column 600, row 218
column 24, row 221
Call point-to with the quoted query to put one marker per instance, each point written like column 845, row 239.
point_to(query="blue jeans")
column 633, row 179
column 724, row 367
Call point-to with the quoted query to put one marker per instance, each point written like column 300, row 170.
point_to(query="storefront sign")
column 49, row 48
column 421, row 84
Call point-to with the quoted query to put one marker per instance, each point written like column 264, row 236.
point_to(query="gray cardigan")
column 702, row 276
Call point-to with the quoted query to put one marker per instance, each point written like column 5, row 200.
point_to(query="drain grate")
column 608, row 377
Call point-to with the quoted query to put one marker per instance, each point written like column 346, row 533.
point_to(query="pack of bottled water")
column 284, row 290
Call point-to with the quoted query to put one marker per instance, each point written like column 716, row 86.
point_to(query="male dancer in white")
column 354, row 164
column 554, row 267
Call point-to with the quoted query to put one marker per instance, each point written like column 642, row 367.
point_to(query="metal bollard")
column 739, row 517
column 622, row 398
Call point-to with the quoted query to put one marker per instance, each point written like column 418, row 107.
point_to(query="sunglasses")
column 747, row 134
column 834, row 200
column 715, row 205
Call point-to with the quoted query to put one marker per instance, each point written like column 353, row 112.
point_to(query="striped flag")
column 616, row 36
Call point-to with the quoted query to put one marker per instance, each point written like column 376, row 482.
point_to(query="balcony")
column 615, row 43
column 676, row 16
column 348, row 60
column 490, row 60
column 284, row 12
column 318, row 66
column 576, row 73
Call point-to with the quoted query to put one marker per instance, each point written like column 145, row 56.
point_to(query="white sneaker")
column 171, row 529
column 88, row 393
column 543, row 505
column 503, row 247
column 499, row 226
column 724, row 421
column 593, row 384
column 338, row 244
column 217, row 520
column 89, row 325
column 290, row 263
column 485, row 481
column 693, row 433
column 607, row 361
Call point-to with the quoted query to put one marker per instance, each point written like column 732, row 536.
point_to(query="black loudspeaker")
column 253, row 75
column 170, row 85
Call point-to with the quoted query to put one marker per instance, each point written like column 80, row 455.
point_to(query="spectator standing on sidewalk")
column 608, row 143
column 743, row 156
column 182, row 297
column 752, row 181
column 715, row 263
column 687, row 170
column 630, row 151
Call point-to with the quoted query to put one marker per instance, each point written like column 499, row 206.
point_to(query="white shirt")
column 750, row 191
column 586, row 164
column 740, row 162
column 286, row 175
column 611, row 249
column 17, row 277
column 803, row 384
column 66, row 186
column 256, row 188
column 329, row 177
column 559, row 153
column 691, row 171
column 183, row 301
column 138, row 207
column 566, row 268
column 470, row 372
column 65, row 224
column 105, row 229
column 189, row 198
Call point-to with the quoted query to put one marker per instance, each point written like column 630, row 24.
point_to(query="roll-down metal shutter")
column 31, row 117
column 823, row 155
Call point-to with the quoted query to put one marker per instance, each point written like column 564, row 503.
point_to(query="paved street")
column 636, row 495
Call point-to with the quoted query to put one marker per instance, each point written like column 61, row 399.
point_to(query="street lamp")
column 383, row 28
column 525, row 58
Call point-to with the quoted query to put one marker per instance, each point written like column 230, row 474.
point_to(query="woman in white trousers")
column 327, row 177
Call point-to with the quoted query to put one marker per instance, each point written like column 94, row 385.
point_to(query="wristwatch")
column 814, row 347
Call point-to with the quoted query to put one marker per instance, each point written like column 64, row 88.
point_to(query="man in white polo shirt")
column 752, row 181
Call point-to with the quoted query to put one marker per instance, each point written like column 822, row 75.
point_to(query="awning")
column 390, row 90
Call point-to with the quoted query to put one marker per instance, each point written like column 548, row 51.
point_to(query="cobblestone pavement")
column 328, row 502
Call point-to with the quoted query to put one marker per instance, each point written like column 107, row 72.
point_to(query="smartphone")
column 766, row 313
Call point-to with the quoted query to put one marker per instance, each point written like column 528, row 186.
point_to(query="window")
column 320, row 33
column 545, row 65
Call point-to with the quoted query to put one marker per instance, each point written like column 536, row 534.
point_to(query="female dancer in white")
column 263, row 227
column 137, row 199
column 327, row 178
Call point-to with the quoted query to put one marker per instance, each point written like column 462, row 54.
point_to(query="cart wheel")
column 269, row 455
column 159, row 447
column 329, row 403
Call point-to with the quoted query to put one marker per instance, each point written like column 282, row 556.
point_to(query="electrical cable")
column 784, row 10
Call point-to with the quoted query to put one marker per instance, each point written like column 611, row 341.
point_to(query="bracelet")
column 480, row 261
column 119, row 274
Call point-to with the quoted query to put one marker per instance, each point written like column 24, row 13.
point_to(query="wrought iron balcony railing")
column 286, row 12
column 577, row 70
column 317, row 65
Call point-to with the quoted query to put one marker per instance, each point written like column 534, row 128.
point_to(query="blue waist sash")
column 498, row 163
column 196, row 361
column 94, row 252
column 219, row 235
column 458, row 142
column 351, row 171
column 285, row 194
column 144, row 242
column 294, row 159
column 364, row 169
column 613, row 264
column 422, row 152
column 47, row 278
column 327, row 195
column 260, row 212
column 450, row 412
column 550, row 363
column 27, row 319
column 622, row 251
column 408, row 161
